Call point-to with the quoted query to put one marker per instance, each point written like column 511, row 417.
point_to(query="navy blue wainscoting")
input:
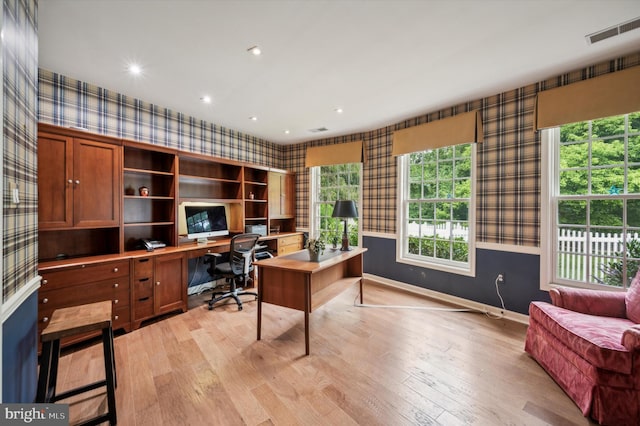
column 20, row 353
column 522, row 275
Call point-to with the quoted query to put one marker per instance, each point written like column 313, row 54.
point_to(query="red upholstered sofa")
column 589, row 343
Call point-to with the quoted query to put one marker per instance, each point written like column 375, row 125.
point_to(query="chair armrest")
column 593, row 302
column 631, row 338
column 212, row 258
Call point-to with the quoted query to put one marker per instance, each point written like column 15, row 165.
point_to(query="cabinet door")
column 55, row 184
column 96, row 179
column 170, row 283
column 281, row 194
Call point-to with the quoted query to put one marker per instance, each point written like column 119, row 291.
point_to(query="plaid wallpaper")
column 67, row 102
column 508, row 163
column 19, row 125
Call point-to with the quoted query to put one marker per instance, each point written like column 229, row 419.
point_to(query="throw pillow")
column 632, row 300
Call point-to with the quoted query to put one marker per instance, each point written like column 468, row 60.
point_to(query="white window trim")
column 401, row 225
column 314, row 181
column 548, row 216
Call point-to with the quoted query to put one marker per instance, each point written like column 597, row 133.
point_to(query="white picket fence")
column 443, row 230
column 573, row 246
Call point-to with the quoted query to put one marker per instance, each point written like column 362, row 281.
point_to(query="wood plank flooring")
column 369, row 366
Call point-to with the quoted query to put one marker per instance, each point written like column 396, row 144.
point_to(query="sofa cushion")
column 632, row 299
column 597, row 339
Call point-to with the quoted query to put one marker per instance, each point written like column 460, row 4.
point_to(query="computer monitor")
column 204, row 221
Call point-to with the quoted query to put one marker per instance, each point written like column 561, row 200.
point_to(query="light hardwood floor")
column 370, row 366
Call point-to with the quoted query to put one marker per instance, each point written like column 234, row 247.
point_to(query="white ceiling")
column 381, row 61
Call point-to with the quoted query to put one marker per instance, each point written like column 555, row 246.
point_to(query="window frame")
column 314, row 202
column 402, row 254
column 549, row 226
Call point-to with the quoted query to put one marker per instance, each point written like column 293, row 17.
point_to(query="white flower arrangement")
column 315, row 245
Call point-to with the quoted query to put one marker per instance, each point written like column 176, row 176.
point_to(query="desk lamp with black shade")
column 345, row 209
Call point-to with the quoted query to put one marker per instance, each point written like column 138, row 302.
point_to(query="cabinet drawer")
column 191, row 254
column 121, row 317
column 50, row 300
column 143, row 308
column 291, row 240
column 142, row 288
column 287, row 249
column 82, row 274
column 143, row 267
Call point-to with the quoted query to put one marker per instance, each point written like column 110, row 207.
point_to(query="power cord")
column 431, row 308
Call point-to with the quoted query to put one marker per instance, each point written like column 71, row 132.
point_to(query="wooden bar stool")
column 67, row 322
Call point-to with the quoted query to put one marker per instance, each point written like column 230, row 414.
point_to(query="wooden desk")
column 295, row 282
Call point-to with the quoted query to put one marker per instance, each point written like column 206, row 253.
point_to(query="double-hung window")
column 436, row 213
column 591, row 203
column 330, row 184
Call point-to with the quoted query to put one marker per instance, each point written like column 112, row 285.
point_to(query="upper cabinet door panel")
column 55, row 181
column 96, row 183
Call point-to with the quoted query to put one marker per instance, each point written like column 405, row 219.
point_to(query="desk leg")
column 307, row 309
column 361, row 294
column 259, row 305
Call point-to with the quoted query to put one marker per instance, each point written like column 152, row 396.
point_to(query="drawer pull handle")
column 45, row 300
column 115, row 301
column 116, row 317
column 158, row 283
column 45, row 319
column 115, row 269
column 143, row 279
column 45, row 282
column 77, row 182
column 142, row 299
column 115, row 285
column 143, row 260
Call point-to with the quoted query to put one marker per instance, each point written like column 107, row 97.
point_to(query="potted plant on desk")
column 315, row 247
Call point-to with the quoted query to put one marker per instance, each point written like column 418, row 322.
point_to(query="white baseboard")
column 459, row 301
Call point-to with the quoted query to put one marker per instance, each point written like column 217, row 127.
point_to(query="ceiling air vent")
column 318, row 130
column 613, row 31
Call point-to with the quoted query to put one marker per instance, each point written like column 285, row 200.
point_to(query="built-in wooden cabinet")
column 282, row 204
column 79, row 194
column 78, row 182
column 149, row 188
column 255, row 196
column 159, row 285
column 83, row 283
column 205, row 180
column 93, row 214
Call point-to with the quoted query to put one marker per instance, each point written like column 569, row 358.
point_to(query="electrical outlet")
column 500, row 278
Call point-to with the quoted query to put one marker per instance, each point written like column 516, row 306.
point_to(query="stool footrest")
column 77, row 391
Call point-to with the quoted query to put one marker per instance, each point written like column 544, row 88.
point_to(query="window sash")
column 404, row 199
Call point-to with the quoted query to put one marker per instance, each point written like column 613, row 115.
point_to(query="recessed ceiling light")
column 206, row 99
column 286, row 132
column 135, row 69
column 254, row 50
column 338, row 110
column 253, row 118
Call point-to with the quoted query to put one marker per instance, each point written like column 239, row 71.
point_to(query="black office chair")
column 236, row 271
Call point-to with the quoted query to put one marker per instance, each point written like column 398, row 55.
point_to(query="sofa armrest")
column 593, row 302
column 631, row 338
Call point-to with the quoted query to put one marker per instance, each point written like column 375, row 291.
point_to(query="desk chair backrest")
column 241, row 253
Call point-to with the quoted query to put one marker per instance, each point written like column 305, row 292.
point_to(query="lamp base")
column 345, row 243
